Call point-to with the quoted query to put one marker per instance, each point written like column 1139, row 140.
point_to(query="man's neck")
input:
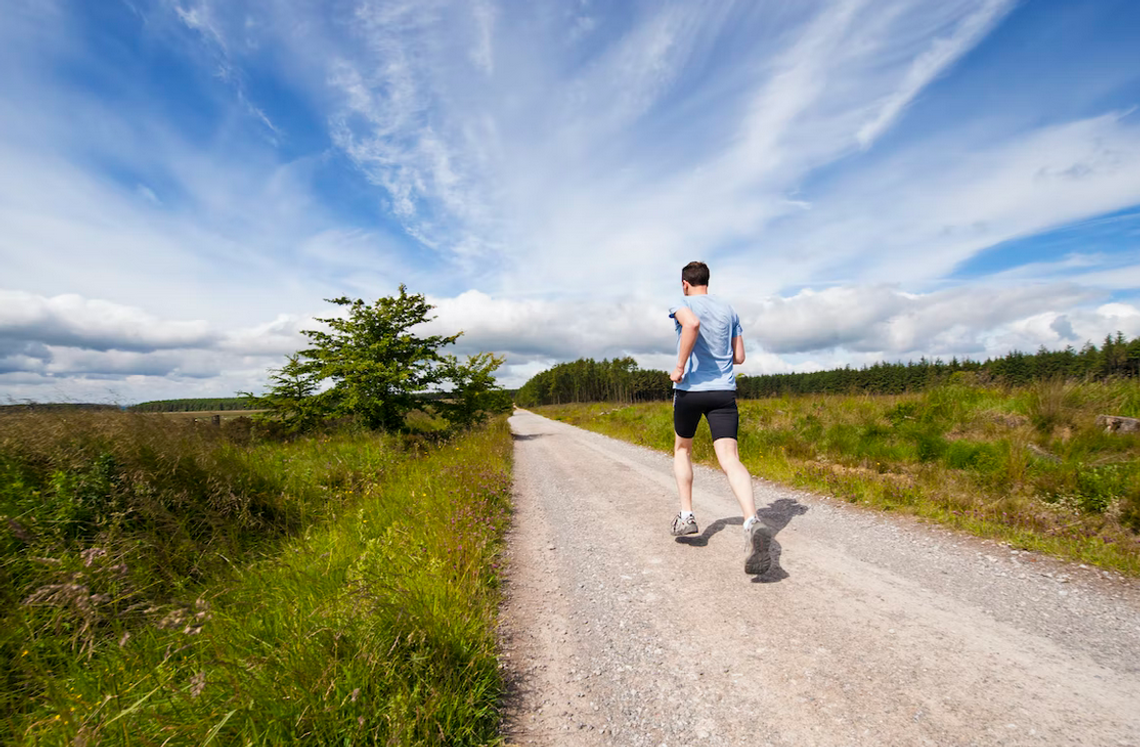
column 698, row 290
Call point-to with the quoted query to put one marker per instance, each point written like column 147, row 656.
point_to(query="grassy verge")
column 338, row 589
column 1028, row 466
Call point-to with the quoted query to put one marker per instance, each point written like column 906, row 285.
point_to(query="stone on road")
column 868, row 629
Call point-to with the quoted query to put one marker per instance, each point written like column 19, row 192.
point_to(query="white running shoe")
column 757, row 548
column 681, row 527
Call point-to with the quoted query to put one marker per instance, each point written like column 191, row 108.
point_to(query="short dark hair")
column 695, row 273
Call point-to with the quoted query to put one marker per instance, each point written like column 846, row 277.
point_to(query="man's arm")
column 690, row 326
column 738, row 350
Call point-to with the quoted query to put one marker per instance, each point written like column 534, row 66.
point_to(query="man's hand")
column 690, row 328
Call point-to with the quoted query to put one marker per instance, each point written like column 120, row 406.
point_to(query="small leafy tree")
column 474, row 393
column 290, row 395
column 370, row 365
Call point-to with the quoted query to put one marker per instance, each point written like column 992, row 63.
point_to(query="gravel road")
column 869, row 629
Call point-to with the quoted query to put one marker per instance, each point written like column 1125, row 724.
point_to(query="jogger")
column 709, row 342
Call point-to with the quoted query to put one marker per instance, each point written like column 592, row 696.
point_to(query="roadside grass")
column 1026, row 466
column 164, row 585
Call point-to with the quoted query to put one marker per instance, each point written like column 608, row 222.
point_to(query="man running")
column 709, row 342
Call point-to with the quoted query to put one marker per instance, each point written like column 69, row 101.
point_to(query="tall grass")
column 1028, row 466
column 334, row 589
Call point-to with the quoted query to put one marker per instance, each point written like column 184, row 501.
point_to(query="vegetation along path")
column 868, row 628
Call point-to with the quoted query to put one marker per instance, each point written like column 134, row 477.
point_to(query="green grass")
column 354, row 605
column 1026, row 466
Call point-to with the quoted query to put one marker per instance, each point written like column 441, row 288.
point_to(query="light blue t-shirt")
column 710, row 366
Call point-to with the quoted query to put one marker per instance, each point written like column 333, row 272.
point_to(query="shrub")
column 972, row 455
column 1051, row 404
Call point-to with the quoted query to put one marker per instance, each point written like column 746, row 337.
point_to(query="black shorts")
column 719, row 408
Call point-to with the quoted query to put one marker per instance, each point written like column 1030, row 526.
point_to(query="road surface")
column 869, row 629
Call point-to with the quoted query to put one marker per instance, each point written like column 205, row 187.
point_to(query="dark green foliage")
column 373, row 361
column 473, row 393
column 1115, row 358
column 372, row 366
column 217, row 404
column 979, row 456
column 929, row 445
column 587, row 380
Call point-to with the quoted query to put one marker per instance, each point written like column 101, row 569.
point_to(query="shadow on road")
column 775, row 516
column 702, row 539
column 528, row 436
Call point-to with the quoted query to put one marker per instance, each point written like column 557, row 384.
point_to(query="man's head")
column 694, row 275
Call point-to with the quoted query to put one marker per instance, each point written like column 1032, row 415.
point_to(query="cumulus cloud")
column 72, row 321
column 51, row 344
column 887, row 320
column 542, row 329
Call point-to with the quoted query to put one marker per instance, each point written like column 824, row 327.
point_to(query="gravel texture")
column 869, row 629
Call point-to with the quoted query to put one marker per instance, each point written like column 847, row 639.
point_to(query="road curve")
column 869, row 629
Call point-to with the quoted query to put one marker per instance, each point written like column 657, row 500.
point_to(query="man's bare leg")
column 757, row 537
column 683, row 470
column 739, row 480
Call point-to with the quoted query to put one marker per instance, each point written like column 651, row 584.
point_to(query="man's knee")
column 726, row 451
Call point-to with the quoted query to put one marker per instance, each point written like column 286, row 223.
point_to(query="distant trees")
column 1116, row 358
column 587, row 380
column 620, row 380
column 200, row 404
column 372, row 366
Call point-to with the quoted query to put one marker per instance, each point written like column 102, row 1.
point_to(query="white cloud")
column 540, row 329
column 942, row 52
column 93, row 324
column 55, row 347
column 918, row 214
column 483, row 51
column 889, row 322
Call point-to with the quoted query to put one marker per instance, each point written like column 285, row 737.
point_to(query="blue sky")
column 183, row 181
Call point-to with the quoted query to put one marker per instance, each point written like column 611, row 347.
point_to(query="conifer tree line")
column 193, row 405
column 620, row 380
column 588, row 380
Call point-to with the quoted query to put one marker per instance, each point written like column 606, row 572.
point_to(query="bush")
column 971, row 455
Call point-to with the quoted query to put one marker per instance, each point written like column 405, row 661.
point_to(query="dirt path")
column 868, row 630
